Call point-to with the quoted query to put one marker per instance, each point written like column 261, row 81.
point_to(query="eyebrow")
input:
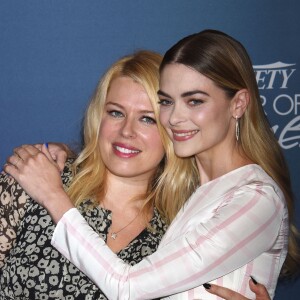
column 122, row 107
column 185, row 94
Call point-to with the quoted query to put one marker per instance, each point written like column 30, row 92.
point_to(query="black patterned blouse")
column 30, row 268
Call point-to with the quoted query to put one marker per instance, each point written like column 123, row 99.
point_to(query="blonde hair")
column 89, row 180
column 225, row 61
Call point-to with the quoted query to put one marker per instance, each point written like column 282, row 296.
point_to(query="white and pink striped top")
column 231, row 227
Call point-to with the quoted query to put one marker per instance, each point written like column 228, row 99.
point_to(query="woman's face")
column 195, row 112
column 130, row 143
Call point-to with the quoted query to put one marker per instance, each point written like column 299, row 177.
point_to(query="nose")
column 128, row 128
column 177, row 115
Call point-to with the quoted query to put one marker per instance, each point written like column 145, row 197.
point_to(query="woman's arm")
column 249, row 225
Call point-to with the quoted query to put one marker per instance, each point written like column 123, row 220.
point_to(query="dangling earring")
column 237, row 129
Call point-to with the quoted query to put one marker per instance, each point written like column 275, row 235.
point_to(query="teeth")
column 185, row 133
column 125, row 150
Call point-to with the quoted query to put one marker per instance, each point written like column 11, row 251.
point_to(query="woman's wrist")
column 57, row 205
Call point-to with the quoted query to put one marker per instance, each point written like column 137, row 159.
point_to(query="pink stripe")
column 220, row 283
column 187, row 249
column 207, row 190
column 90, row 249
column 217, row 262
column 201, row 196
column 245, row 280
column 162, row 262
column 237, row 247
column 234, row 217
column 191, row 294
column 272, row 272
column 182, row 252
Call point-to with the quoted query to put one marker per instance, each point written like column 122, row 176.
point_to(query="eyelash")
column 113, row 113
column 117, row 114
column 165, row 102
column 195, row 102
column 190, row 102
column 148, row 120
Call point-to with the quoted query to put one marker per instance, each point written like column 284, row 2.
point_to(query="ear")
column 239, row 103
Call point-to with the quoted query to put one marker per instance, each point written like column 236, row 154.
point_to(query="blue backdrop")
column 53, row 52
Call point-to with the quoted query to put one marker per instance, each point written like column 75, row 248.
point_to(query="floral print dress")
column 30, row 268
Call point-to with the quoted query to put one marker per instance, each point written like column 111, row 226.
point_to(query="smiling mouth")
column 185, row 134
column 126, row 150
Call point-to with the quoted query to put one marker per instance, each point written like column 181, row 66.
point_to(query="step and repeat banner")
column 53, row 52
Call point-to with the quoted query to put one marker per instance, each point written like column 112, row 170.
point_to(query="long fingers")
column 224, row 293
column 260, row 291
column 22, row 156
column 26, row 151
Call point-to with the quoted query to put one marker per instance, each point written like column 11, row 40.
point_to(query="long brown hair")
column 226, row 62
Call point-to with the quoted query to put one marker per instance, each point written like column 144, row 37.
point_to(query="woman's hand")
column 227, row 294
column 59, row 153
column 39, row 176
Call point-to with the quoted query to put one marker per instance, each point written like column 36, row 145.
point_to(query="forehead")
column 179, row 76
column 125, row 89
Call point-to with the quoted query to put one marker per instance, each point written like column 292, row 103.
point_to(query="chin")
column 126, row 173
column 183, row 153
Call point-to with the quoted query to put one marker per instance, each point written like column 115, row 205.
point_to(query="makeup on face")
column 130, row 142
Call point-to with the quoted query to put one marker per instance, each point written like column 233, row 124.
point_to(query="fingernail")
column 207, row 286
column 254, row 281
column 46, row 144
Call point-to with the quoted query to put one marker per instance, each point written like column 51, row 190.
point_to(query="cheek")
column 204, row 117
column 155, row 144
column 106, row 130
column 215, row 124
column 164, row 116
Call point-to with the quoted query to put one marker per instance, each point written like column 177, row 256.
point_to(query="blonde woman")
column 113, row 183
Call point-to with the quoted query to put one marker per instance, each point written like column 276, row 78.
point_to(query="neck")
column 124, row 193
column 125, row 199
column 212, row 166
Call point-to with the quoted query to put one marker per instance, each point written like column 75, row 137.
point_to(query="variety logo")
column 268, row 75
column 276, row 77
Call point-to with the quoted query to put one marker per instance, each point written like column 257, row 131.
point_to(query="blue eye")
column 165, row 102
column 195, row 102
column 115, row 113
column 148, row 120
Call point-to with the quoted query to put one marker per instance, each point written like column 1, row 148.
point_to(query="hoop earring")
column 237, row 129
